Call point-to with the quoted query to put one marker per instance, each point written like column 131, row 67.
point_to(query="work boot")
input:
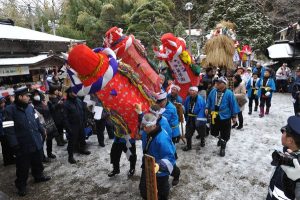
column 255, row 108
column 262, row 112
column 72, row 160
column 45, row 159
column 130, row 172
column 267, row 110
column 51, row 155
column 175, row 181
column 234, row 125
column 114, row 172
column 84, row 152
column 186, row 148
column 223, row 146
column 202, row 143
column 250, row 111
column 22, row 191
column 42, row 179
column 219, row 143
column 188, row 144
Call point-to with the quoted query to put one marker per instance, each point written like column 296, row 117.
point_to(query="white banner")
column 14, row 71
column 179, row 70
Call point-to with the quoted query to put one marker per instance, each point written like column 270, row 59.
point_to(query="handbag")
column 51, row 127
column 242, row 102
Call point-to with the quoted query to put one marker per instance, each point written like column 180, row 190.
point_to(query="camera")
column 280, row 158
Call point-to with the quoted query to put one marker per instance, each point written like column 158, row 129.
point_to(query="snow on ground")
column 244, row 172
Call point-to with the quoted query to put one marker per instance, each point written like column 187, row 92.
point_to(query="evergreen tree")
column 253, row 27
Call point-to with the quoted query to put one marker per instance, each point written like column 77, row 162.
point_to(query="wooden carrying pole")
column 151, row 186
column 181, row 119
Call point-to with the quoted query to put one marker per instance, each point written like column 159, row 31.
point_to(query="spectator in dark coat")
column 296, row 92
column 24, row 136
column 7, row 152
column 56, row 107
column 74, row 121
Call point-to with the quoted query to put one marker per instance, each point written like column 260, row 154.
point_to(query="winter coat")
column 56, row 109
column 1, row 126
column 26, row 132
column 283, row 73
column 49, row 122
column 198, row 111
column 74, row 117
column 282, row 186
column 270, row 85
column 172, row 117
column 240, row 95
column 161, row 148
column 228, row 106
column 178, row 99
column 250, row 87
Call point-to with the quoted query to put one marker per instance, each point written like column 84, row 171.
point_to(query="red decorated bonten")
column 99, row 72
column 133, row 53
column 173, row 52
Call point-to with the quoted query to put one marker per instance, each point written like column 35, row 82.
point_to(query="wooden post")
column 181, row 119
column 151, row 185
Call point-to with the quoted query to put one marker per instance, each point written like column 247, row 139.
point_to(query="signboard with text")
column 14, row 71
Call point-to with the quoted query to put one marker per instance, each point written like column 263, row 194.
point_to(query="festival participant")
column 282, row 75
column 171, row 114
column 195, row 117
column 157, row 143
column 285, row 181
column 240, row 95
column 259, row 69
column 24, row 136
column 296, row 92
column 252, row 92
column 164, row 124
column 174, row 96
column 266, row 87
column 247, row 75
column 223, row 107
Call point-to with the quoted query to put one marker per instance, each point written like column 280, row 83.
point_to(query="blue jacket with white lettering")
column 27, row 131
column 161, row 148
column 172, row 117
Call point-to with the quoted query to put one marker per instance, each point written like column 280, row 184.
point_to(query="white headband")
column 176, row 86
column 194, row 88
column 158, row 112
column 161, row 96
column 147, row 123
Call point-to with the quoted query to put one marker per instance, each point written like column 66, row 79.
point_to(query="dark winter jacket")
column 56, row 109
column 26, row 133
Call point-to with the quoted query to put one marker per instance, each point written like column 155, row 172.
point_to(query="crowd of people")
column 31, row 118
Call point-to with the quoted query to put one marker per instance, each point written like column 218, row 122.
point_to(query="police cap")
column 293, row 125
column 22, row 91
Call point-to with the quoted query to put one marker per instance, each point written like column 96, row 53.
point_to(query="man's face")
column 24, row 98
column 148, row 129
column 163, row 103
column 258, row 65
column 255, row 76
column 239, row 71
column 220, row 85
column 174, row 91
column 193, row 93
column 267, row 74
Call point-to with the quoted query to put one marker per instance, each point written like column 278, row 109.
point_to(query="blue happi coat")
column 270, row 83
column 249, row 86
column 162, row 149
column 172, row 117
column 228, row 107
column 199, row 108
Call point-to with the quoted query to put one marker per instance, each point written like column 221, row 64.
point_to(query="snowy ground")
column 243, row 173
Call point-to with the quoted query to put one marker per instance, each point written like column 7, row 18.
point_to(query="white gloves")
column 292, row 173
column 268, row 94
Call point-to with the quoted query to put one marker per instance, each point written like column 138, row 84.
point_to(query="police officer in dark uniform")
column 25, row 137
column 285, row 182
column 74, row 122
column 8, row 156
